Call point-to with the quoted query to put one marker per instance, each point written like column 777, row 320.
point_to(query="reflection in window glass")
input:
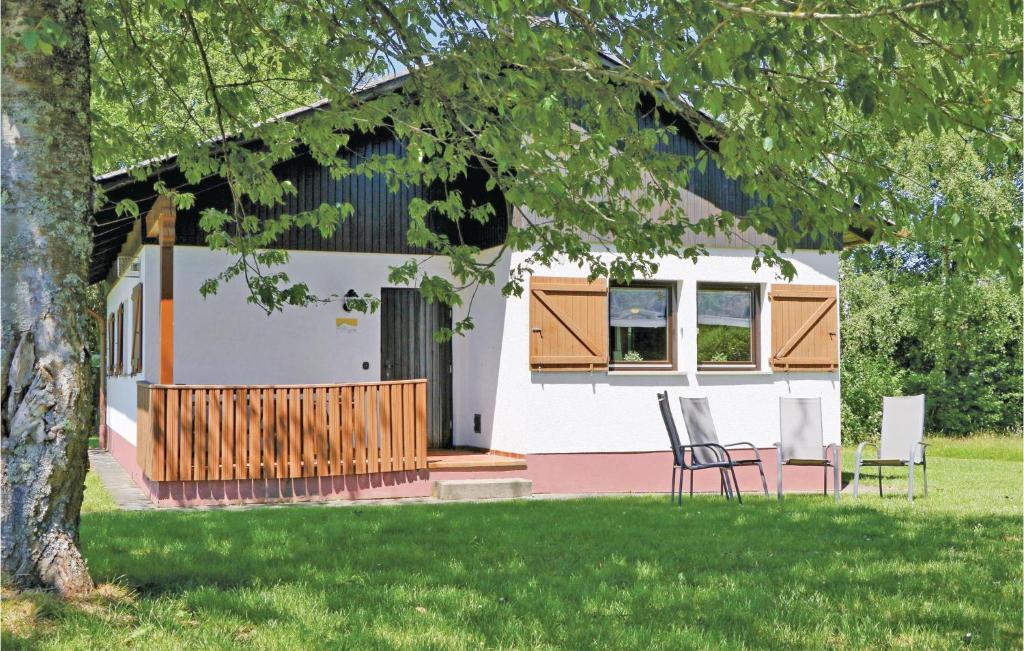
column 638, row 320
column 725, row 326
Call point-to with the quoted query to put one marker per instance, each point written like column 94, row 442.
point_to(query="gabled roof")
column 373, row 88
column 111, row 230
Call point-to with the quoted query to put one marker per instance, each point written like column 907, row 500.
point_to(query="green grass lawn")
column 596, row 573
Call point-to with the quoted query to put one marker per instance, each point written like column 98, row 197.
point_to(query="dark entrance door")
column 408, row 351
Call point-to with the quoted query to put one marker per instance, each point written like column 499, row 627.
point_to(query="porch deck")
column 223, row 432
column 468, row 459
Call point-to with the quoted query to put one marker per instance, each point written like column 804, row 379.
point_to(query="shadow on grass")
column 574, row 574
column 894, row 478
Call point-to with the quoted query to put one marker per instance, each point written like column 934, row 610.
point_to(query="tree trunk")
column 101, row 393
column 47, row 186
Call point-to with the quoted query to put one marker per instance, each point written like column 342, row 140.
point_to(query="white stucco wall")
column 530, row 412
column 122, row 389
column 223, row 339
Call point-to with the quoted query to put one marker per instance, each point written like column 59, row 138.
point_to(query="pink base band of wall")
column 594, row 472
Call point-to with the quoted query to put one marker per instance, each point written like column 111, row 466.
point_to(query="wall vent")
column 128, row 267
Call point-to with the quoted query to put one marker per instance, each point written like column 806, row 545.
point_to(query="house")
column 212, row 401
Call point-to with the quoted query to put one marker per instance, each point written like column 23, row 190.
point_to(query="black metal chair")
column 719, row 459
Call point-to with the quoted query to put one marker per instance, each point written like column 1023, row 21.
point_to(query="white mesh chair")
column 701, row 429
column 901, row 445
column 803, row 441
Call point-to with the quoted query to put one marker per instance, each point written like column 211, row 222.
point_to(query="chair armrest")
column 732, row 445
column 860, row 448
column 757, row 455
column 715, row 447
column 835, row 447
column 922, row 445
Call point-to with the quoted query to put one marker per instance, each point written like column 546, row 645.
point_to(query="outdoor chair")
column 901, row 445
column 802, row 441
column 718, row 457
column 701, row 429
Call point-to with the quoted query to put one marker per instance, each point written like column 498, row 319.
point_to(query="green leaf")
column 528, row 108
column 30, row 40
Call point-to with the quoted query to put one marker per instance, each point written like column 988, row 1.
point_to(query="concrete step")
column 481, row 489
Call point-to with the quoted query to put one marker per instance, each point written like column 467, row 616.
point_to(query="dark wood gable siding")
column 380, row 221
column 713, row 184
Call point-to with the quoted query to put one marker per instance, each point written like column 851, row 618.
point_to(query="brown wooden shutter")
column 110, row 344
column 119, row 353
column 568, row 324
column 805, row 327
column 137, row 329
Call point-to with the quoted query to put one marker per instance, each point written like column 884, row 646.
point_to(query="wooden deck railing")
column 211, row 432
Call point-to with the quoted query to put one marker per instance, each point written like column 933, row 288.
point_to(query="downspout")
column 101, row 323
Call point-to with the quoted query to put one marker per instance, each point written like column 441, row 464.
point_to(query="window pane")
column 645, row 307
column 638, row 324
column 724, row 330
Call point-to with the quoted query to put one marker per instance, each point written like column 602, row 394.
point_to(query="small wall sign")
column 346, row 324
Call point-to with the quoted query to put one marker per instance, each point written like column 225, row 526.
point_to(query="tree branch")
column 815, row 15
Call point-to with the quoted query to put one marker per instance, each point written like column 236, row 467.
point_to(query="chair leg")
column 910, row 481
column 736, row 484
column 672, row 488
column 856, row 477
column 691, row 483
column 824, row 480
column 924, row 471
column 681, row 471
column 880, row 481
column 778, row 477
column 764, row 480
column 836, row 478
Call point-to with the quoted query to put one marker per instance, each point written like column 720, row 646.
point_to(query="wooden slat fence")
column 215, row 432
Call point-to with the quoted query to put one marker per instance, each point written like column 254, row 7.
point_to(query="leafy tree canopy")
column 798, row 101
column 917, row 320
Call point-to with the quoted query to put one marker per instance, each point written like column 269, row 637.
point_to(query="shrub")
column 954, row 337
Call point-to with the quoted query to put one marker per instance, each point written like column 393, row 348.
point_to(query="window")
column 641, row 326
column 727, row 326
